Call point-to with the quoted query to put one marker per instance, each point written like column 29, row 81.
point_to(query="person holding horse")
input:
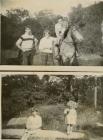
column 59, row 31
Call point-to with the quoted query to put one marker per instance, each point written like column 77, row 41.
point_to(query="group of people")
column 59, row 50
column 34, row 121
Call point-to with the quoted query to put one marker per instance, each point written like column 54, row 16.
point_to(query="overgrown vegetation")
column 88, row 19
column 20, row 93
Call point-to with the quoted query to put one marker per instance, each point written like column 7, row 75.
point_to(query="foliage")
column 22, row 92
column 89, row 20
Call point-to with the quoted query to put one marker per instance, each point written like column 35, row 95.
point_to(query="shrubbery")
column 88, row 19
column 22, row 92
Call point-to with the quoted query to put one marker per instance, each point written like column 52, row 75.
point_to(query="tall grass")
column 53, row 117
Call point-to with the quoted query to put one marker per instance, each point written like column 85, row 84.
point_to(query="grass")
column 53, row 119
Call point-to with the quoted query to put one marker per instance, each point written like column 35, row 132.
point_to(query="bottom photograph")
column 52, row 107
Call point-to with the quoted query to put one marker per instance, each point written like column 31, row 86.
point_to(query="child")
column 34, row 123
column 46, row 48
column 70, row 116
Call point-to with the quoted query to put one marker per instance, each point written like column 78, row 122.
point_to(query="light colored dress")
column 71, row 116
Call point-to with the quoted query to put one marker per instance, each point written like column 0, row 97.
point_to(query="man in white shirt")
column 34, row 123
column 59, row 30
column 27, row 44
column 46, row 48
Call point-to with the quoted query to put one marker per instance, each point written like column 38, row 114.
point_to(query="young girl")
column 70, row 116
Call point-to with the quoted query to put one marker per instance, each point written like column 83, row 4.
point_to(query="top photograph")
column 52, row 32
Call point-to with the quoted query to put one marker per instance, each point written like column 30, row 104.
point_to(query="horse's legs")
column 75, row 62
column 66, row 62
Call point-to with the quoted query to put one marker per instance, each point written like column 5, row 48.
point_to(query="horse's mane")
column 66, row 32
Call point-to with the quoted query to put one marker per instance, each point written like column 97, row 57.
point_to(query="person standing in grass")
column 70, row 116
column 27, row 43
column 34, row 123
column 46, row 48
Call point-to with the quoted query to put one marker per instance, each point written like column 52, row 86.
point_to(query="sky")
column 61, row 7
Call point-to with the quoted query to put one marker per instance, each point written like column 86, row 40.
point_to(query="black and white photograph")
column 52, row 32
column 52, row 106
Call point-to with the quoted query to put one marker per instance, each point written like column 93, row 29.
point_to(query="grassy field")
column 11, row 58
column 53, row 119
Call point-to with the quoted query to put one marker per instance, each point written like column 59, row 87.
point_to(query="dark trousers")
column 46, row 58
column 27, row 57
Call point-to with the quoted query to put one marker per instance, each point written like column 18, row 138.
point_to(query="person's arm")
column 65, row 112
column 40, row 45
column 56, row 30
column 55, row 49
column 18, row 43
column 40, row 122
column 36, row 42
column 28, row 125
column 35, row 45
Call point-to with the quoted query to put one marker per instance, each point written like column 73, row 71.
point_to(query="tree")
column 89, row 20
column 47, row 20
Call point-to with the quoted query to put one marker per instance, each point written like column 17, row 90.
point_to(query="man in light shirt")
column 59, row 30
column 46, row 48
column 27, row 44
column 34, row 123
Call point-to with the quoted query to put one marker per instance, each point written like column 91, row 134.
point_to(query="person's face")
column 60, row 21
column 34, row 113
column 47, row 34
column 28, row 30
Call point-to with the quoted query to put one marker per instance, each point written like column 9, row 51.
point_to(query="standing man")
column 46, row 48
column 34, row 123
column 60, row 29
column 27, row 44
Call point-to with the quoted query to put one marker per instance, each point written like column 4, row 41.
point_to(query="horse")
column 68, row 47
